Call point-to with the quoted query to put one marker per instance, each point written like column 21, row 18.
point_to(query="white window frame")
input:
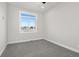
column 20, row 24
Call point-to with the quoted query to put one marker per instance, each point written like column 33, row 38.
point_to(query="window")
column 27, row 22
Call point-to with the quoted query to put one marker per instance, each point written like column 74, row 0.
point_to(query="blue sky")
column 27, row 19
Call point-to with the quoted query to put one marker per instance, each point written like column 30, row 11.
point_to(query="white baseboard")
column 19, row 41
column 2, row 50
column 65, row 46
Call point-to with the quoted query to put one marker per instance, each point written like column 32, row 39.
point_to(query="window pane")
column 27, row 22
column 26, row 15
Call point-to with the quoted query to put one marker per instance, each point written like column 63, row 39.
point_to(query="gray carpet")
column 37, row 48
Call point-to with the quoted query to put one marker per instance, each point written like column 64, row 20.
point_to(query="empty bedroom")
column 39, row 29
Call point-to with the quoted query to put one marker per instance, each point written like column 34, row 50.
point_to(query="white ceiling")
column 35, row 6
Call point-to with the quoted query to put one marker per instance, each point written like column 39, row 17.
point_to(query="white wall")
column 13, row 26
column 62, row 25
column 3, row 30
